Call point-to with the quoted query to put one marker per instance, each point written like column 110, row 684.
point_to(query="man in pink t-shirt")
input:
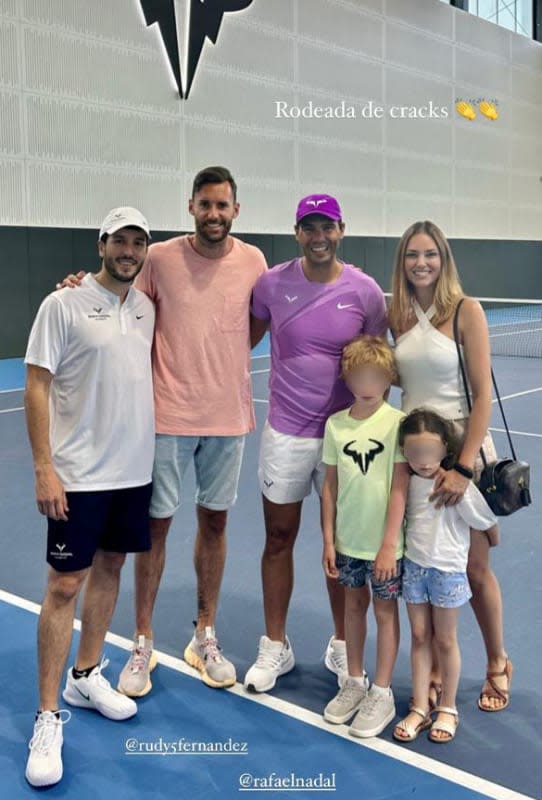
column 201, row 285
column 313, row 305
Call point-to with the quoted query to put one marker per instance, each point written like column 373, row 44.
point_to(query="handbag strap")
column 466, row 385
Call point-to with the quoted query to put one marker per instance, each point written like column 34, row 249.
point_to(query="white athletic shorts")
column 289, row 466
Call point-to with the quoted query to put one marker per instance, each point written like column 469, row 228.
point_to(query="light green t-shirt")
column 364, row 452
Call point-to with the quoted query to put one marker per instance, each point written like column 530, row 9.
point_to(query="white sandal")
column 412, row 731
column 444, row 727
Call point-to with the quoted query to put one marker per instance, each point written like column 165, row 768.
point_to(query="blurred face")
column 424, row 452
column 123, row 253
column 214, row 210
column 422, row 261
column 368, row 384
column 319, row 238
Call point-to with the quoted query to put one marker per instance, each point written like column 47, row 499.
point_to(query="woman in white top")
column 426, row 291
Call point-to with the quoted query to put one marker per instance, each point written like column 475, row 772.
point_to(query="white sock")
column 359, row 679
column 381, row 690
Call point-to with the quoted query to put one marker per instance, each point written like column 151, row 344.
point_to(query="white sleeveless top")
column 429, row 369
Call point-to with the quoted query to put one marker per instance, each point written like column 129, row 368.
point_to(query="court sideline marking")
column 398, row 753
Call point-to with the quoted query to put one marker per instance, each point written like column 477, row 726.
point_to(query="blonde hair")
column 370, row 351
column 448, row 289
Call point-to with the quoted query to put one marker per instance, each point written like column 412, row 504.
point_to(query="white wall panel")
column 92, row 192
column 11, row 196
column 343, row 26
column 420, row 51
column 10, row 127
column 69, row 131
column 9, row 57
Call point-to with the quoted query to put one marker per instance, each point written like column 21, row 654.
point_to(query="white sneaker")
column 274, row 659
column 336, row 661
column 345, row 704
column 96, row 692
column 376, row 710
column 44, row 765
column 135, row 678
column 204, row 654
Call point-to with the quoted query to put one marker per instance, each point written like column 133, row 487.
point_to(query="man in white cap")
column 90, row 418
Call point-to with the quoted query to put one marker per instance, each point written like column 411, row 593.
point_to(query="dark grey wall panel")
column 50, row 257
column 32, row 260
column 14, row 291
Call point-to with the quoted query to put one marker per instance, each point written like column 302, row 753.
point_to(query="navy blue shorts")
column 116, row 520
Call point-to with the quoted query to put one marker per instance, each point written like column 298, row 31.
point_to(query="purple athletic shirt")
column 310, row 324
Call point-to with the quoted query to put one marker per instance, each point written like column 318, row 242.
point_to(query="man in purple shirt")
column 313, row 306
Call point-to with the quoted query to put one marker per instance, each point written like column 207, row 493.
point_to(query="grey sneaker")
column 375, row 712
column 204, row 654
column 345, row 704
column 135, row 678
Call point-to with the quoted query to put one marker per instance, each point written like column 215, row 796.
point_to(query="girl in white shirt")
column 435, row 580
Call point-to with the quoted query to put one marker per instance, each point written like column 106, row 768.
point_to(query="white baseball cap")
column 124, row 217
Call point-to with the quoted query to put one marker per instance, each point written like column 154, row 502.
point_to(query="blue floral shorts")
column 355, row 572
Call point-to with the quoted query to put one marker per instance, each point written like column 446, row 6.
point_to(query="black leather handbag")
column 505, row 482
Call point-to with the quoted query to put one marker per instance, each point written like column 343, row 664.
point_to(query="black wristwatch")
column 465, row 471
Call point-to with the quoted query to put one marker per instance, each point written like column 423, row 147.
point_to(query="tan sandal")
column 444, row 727
column 496, row 691
column 412, row 731
column 437, row 689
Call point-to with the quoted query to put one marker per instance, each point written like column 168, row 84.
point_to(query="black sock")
column 82, row 673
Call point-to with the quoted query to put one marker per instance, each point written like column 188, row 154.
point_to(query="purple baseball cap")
column 319, row 204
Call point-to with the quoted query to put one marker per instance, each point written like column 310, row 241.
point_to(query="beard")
column 122, row 277
column 210, row 236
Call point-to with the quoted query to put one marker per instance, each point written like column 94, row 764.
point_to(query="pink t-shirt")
column 310, row 324
column 201, row 351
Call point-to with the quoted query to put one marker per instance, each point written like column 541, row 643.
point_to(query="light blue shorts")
column 428, row 585
column 217, row 463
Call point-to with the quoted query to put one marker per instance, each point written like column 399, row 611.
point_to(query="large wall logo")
column 202, row 19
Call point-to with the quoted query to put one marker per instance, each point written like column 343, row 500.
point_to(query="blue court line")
column 191, row 741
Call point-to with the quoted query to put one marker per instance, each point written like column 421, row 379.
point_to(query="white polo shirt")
column 101, row 404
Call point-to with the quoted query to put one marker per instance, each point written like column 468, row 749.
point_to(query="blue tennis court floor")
column 494, row 755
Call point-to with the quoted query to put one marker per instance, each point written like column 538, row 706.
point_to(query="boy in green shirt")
column 362, row 515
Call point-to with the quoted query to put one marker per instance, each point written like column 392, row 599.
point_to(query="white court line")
column 266, row 355
column 9, row 410
column 259, row 371
column 395, row 751
column 516, row 433
column 10, row 391
column 520, row 394
column 510, row 333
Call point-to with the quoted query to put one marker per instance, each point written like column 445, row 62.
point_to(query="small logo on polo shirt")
column 344, row 305
column 290, row 299
column 268, row 483
column 98, row 313
column 140, row 316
